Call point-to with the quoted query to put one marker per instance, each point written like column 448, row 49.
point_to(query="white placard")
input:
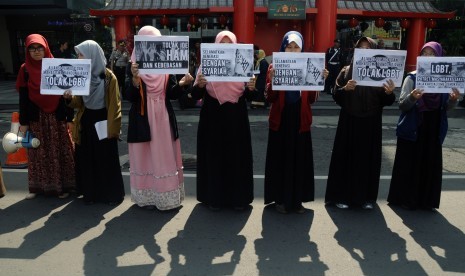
column 227, row 62
column 298, row 71
column 162, row 54
column 440, row 74
column 59, row 75
column 374, row 67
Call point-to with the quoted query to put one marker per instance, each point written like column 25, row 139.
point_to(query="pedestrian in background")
column 261, row 66
column 417, row 173
column 98, row 170
column 62, row 51
column 224, row 146
column 289, row 175
column 156, row 172
column 335, row 59
column 355, row 165
column 118, row 61
column 51, row 165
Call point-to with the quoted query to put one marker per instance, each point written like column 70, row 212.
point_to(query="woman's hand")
column 201, row 81
column 135, row 74
column 70, row 126
column 68, row 94
column 416, row 93
column 389, row 86
column 454, row 95
column 350, row 86
column 271, row 74
column 23, row 129
column 325, row 73
column 186, row 80
column 251, row 84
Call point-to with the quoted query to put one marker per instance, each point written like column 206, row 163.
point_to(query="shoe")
column 281, row 209
column 149, row 207
column 367, row 206
column 63, row 195
column 342, row 206
column 31, row 196
column 300, row 210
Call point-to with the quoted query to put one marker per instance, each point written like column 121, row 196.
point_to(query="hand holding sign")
column 251, row 84
column 389, row 86
column 416, row 93
column 350, row 86
column 454, row 95
column 201, row 81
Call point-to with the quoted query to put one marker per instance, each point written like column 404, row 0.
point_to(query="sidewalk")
column 49, row 236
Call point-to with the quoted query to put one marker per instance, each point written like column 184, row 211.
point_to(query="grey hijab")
column 91, row 50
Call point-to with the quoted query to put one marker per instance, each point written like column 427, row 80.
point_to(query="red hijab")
column 47, row 103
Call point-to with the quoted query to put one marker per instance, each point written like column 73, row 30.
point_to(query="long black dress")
column 417, row 172
column 289, row 173
column 224, row 152
column 355, row 165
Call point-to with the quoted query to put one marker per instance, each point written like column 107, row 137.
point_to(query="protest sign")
column 227, row 62
column 162, row 54
column 440, row 75
column 298, row 71
column 59, row 74
column 373, row 67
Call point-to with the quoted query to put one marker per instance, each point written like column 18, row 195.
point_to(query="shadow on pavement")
column 210, row 243
column 285, row 247
column 365, row 235
column 63, row 225
column 23, row 213
column 133, row 230
column 443, row 242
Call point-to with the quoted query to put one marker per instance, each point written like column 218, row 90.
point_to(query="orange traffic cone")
column 18, row 159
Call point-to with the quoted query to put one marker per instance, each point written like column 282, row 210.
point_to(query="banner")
column 286, row 9
column 440, row 74
column 59, row 74
column 298, row 71
column 162, row 54
column 227, row 62
column 374, row 67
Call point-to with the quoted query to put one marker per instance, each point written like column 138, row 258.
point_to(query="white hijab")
column 91, row 50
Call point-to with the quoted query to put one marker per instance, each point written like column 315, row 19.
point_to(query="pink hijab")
column 153, row 82
column 224, row 91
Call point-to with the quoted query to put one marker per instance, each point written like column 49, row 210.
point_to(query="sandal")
column 31, row 196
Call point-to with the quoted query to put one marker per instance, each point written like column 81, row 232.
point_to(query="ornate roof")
column 404, row 8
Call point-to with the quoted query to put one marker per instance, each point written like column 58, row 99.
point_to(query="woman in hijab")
column 97, row 159
column 224, row 146
column 51, row 165
column 422, row 127
column 289, row 178
column 355, row 166
column 154, row 148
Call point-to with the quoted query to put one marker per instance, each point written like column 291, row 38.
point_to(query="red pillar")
column 307, row 33
column 244, row 20
column 123, row 29
column 325, row 24
column 415, row 40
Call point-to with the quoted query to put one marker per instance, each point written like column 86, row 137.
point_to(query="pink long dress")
column 156, row 166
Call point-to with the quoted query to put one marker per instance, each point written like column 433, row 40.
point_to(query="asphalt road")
column 49, row 236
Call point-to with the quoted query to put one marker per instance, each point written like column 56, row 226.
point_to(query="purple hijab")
column 431, row 101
